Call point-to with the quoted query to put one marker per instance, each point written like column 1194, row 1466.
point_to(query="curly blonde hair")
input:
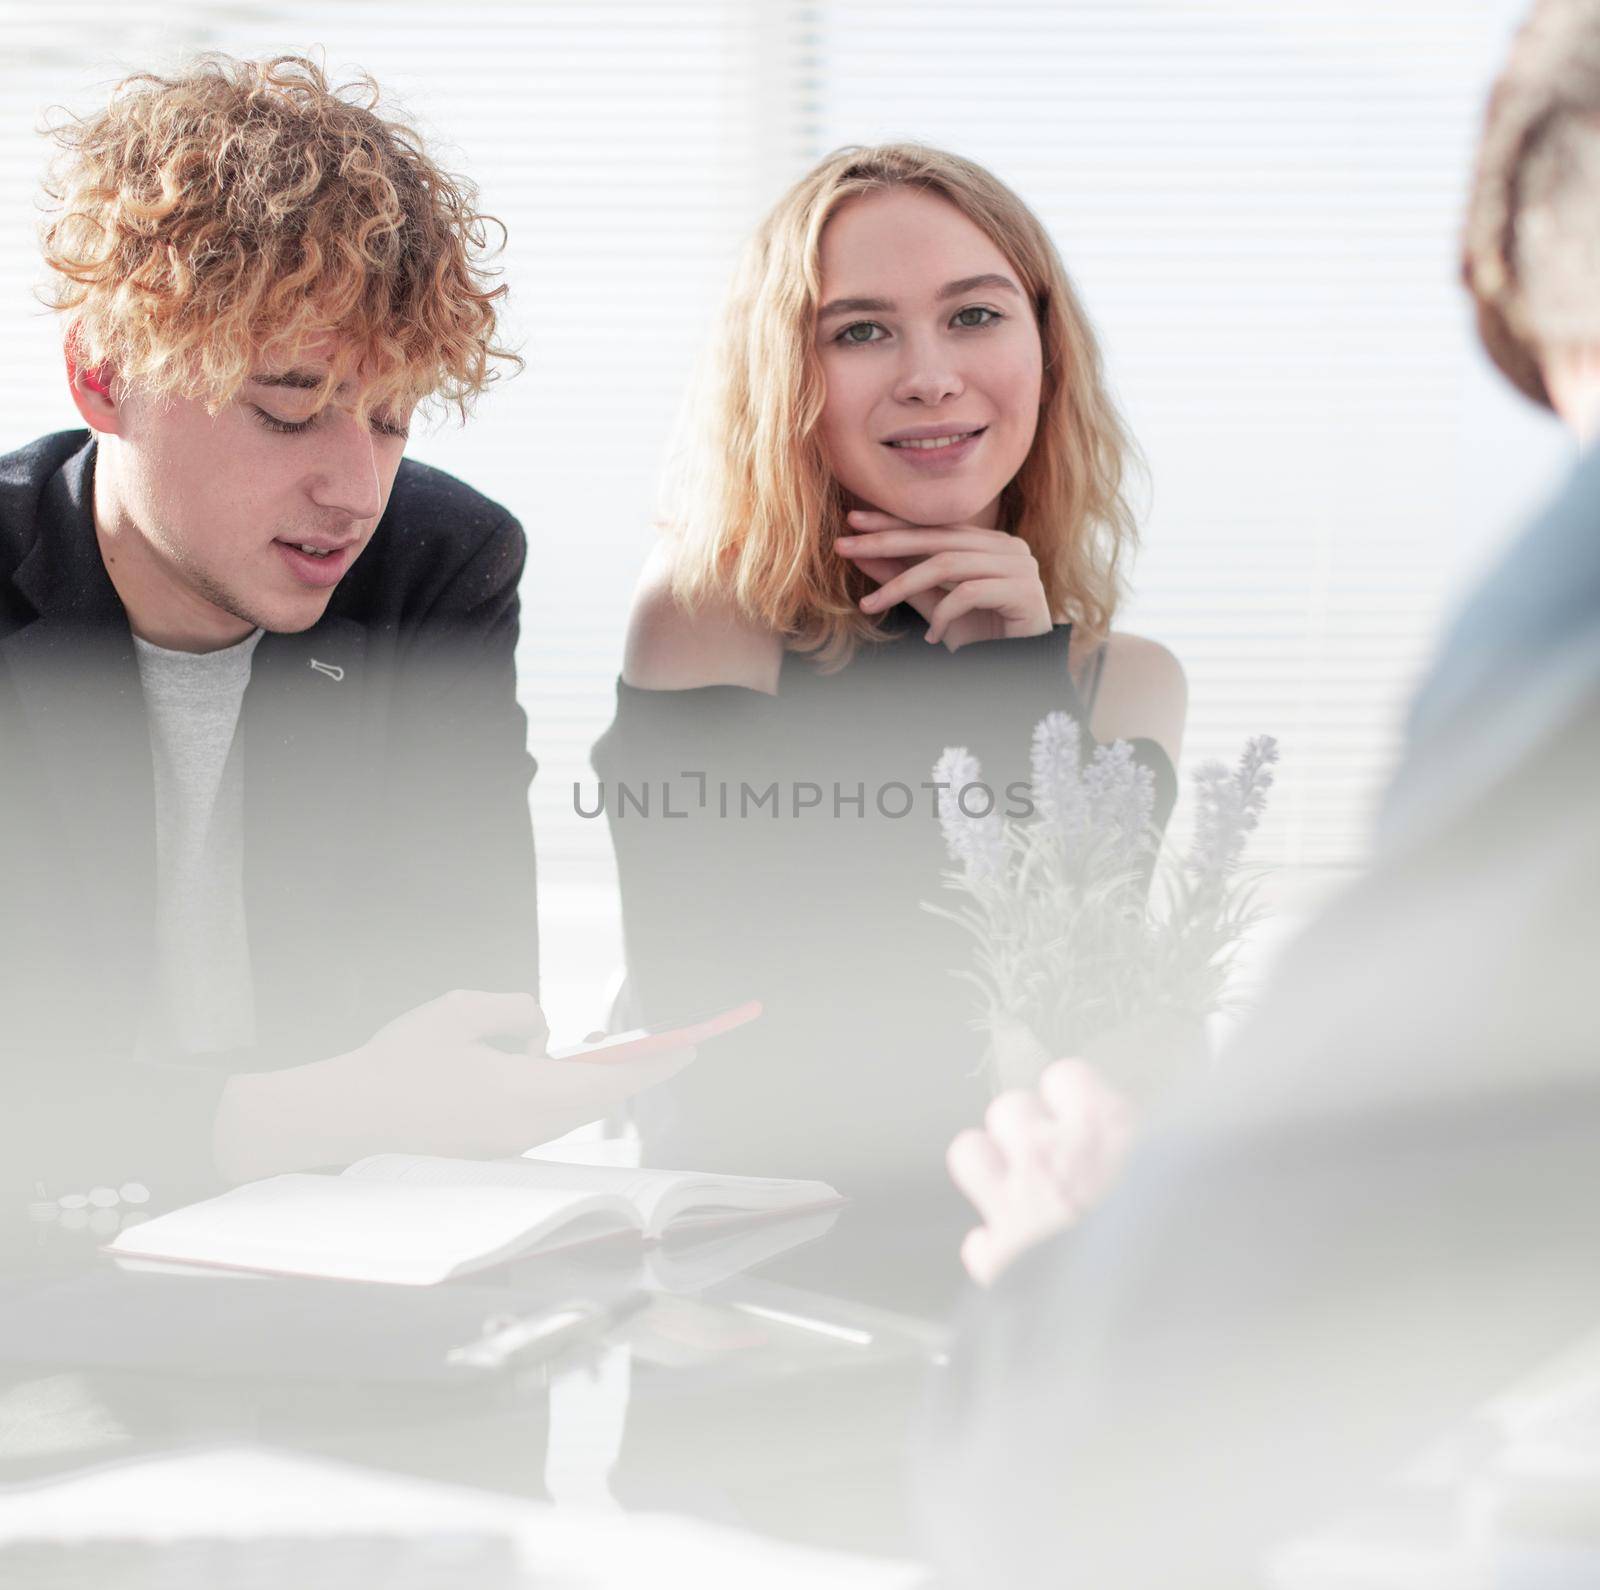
column 1531, row 243
column 752, row 506
column 211, row 223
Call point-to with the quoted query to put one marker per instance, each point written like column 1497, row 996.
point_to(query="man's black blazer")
column 388, row 853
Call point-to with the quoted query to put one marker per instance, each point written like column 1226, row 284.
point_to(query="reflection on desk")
column 772, row 1391
column 240, row 1500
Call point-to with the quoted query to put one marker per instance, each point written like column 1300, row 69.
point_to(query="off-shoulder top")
column 781, row 847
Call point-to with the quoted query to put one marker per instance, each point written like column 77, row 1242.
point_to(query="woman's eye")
column 975, row 315
column 861, row 332
column 284, row 427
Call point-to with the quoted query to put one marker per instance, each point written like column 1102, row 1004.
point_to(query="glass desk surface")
column 772, row 1379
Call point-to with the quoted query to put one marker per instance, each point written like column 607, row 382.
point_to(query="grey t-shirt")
column 204, row 997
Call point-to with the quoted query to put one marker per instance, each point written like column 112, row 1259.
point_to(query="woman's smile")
column 943, row 450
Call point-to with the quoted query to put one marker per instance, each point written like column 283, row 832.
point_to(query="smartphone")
column 639, row 1043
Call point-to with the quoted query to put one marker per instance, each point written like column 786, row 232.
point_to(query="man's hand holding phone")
column 466, row 1074
column 642, row 1043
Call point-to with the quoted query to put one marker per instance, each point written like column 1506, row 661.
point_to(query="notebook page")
column 659, row 1196
column 664, row 1197
column 686, row 1198
column 347, row 1229
column 700, row 1259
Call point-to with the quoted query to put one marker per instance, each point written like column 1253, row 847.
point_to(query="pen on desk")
column 537, row 1337
column 929, row 1342
column 818, row 1327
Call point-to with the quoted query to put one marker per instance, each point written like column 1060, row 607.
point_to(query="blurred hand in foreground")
column 1041, row 1159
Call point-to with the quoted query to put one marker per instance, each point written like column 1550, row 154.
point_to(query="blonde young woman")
column 898, row 524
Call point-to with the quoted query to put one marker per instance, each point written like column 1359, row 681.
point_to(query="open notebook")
column 414, row 1220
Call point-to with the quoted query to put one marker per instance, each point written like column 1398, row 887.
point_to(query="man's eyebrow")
column 884, row 306
column 298, row 380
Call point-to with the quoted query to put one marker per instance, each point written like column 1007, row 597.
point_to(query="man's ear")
column 92, row 390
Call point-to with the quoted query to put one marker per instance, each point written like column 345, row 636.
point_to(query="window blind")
column 1259, row 205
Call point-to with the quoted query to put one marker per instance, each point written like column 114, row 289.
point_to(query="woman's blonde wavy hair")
column 752, row 508
column 208, row 224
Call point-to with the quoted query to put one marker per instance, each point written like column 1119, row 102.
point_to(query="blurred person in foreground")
column 1387, row 1204
column 264, row 826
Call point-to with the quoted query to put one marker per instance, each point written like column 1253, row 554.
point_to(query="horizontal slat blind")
column 1259, row 205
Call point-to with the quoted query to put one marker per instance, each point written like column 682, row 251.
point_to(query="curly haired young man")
column 264, row 789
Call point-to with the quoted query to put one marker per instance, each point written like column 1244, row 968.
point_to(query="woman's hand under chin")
column 969, row 583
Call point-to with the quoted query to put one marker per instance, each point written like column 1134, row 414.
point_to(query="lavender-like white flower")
column 1066, row 946
column 1056, row 761
column 1229, row 807
column 1121, row 794
column 977, row 844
